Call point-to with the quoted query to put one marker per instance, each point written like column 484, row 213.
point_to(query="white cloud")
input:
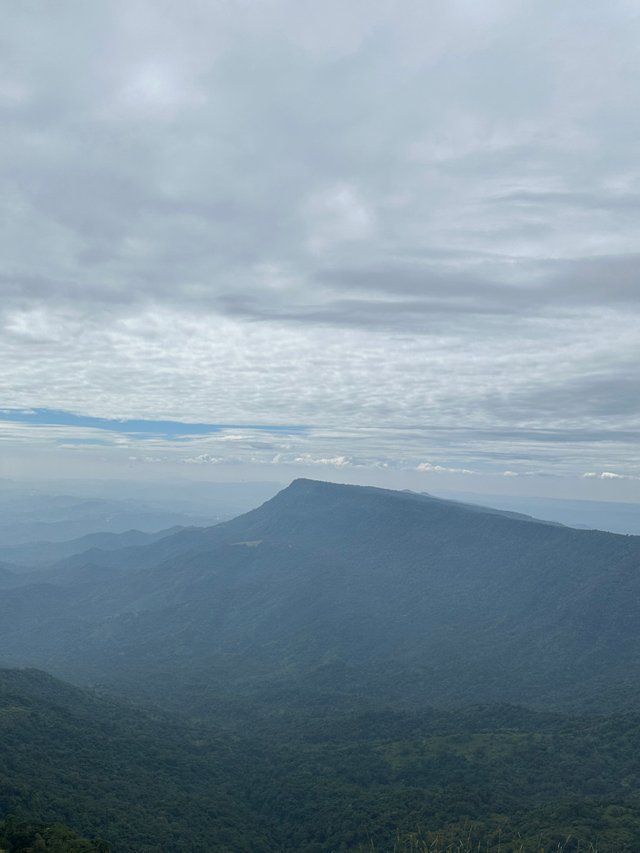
column 335, row 461
column 609, row 475
column 441, row 469
column 204, row 459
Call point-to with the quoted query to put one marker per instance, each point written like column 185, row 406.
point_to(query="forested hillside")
column 313, row 781
column 22, row 836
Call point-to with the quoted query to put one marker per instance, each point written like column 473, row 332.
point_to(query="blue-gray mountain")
column 331, row 590
column 33, row 554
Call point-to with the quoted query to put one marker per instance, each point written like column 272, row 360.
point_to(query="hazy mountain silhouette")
column 351, row 589
column 44, row 553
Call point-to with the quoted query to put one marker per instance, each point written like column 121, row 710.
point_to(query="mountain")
column 75, row 508
column 350, row 591
column 43, row 553
column 27, row 517
column 8, row 575
column 613, row 516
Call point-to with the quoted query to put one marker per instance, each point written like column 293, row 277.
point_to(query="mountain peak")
column 306, row 486
column 306, row 490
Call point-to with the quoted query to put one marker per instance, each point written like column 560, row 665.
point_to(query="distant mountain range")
column 74, row 509
column 45, row 553
column 347, row 591
column 31, row 517
column 613, row 516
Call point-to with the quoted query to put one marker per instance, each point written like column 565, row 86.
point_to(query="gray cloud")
column 337, row 215
column 605, row 395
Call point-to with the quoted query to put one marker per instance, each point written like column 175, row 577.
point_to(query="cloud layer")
column 411, row 228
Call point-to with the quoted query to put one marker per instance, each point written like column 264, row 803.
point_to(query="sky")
column 386, row 242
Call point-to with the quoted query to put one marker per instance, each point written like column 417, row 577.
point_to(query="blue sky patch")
column 135, row 428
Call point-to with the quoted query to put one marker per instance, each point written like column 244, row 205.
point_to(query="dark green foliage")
column 303, row 781
column 19, row 836
column 141, row 781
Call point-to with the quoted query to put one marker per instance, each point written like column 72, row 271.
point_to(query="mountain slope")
column 8, row 576
column 145, row 783
column 43, row 553
column 356, row 589
column 306, row 782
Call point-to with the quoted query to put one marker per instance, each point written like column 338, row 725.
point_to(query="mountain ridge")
column 48, row 552
column 353, row 588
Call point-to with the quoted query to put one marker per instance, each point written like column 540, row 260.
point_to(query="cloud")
column 440, row 469
column 415, row 224
column 335, row 461
column 390, row 143
column 337, row 215
column 610, row 475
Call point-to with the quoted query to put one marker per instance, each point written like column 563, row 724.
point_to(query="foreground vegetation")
column 21, row 836
column 467, row 843
column 306, row 780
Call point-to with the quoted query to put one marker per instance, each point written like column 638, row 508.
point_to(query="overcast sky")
column 392, row 242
